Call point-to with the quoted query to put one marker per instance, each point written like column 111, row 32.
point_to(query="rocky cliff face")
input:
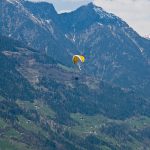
column 36, row 31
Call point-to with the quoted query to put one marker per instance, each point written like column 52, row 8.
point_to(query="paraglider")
column 78, row 60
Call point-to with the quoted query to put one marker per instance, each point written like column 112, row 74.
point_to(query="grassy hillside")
column 43, row 107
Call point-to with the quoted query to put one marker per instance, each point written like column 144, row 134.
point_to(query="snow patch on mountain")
column 102, row 13
column 100, row 24
column 48, row 21
column 45, row 24
column 13, row 1
column 134, row 41
column 19, row 5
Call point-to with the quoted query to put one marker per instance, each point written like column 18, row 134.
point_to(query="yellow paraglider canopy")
column 77, row 58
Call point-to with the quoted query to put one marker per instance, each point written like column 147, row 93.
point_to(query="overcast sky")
column 135, row 12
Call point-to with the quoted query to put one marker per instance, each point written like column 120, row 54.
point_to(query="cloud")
column 135, row 12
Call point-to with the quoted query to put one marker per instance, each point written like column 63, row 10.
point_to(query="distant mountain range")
column 43, row 107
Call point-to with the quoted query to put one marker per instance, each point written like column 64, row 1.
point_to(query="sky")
column 135, row 12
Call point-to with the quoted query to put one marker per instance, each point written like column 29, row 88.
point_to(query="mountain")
column 40, row 33
column 42, row 106
column 113, row 50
